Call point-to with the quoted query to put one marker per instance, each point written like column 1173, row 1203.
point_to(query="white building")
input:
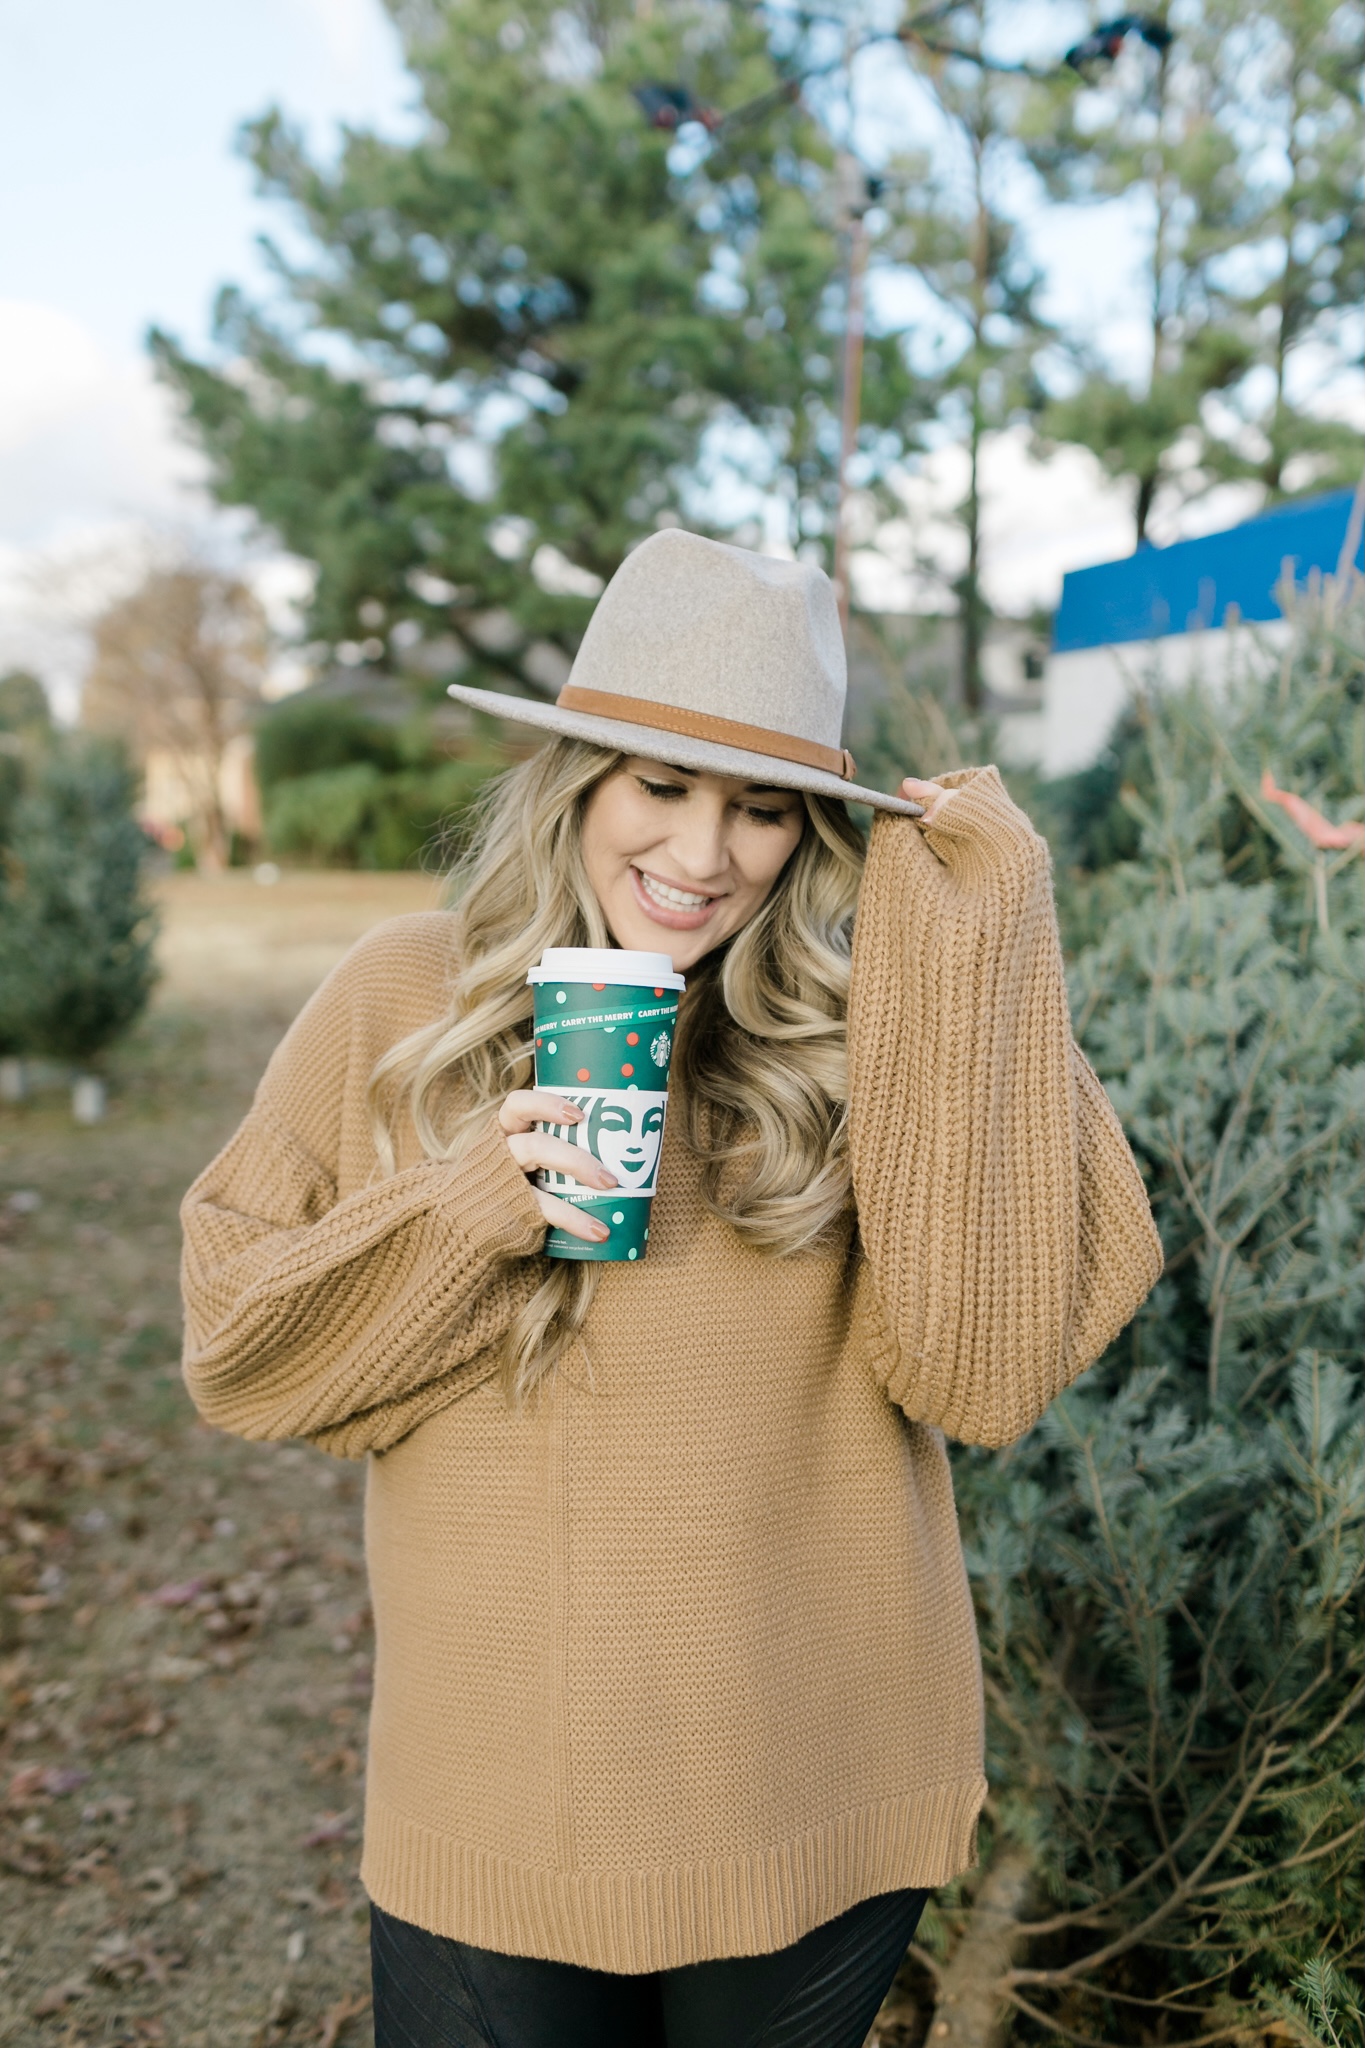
column 1167, row 614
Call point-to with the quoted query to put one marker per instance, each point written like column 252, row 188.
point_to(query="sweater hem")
column 632, row 1921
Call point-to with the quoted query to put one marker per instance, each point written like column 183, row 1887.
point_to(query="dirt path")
column 184, row 1638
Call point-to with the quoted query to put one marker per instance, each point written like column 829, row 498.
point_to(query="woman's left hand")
column 930, row 794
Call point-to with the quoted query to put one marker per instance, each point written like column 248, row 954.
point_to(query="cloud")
column 357, row 39
column 84, row 437
column 1038, row 520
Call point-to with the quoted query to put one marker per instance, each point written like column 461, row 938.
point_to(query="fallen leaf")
column 120, row 1957
column 58, row 1783
column 336, row 2016
column 32, row 1856
column 280, row 2012
column 175, row 1593
column 59, row 1996
column 26, row 1785
column 177, row 1670
column 115, row 1806
column 157, row 1885
column 328, row 1828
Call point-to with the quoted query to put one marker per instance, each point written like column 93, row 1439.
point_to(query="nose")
column 697, row 845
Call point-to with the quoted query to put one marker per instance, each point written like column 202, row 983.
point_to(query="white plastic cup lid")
column 606, row 964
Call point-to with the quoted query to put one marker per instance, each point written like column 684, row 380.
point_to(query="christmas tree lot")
column 1167, row 1570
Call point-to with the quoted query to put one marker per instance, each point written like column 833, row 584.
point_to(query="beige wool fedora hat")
column 710, row 657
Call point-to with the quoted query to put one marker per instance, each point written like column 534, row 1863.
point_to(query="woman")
column 677, row 1700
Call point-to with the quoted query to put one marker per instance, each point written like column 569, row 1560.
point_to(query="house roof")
column 1191, row 584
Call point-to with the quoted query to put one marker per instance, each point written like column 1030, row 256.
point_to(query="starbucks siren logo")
column 659, row 1050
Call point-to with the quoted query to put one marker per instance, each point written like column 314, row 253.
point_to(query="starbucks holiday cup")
column 604, row 1025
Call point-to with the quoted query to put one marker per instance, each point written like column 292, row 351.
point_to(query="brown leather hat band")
column 700, row 725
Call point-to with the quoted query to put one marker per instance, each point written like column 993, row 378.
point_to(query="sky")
column 126, row 206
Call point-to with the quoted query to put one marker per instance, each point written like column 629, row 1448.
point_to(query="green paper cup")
column 604, row 1027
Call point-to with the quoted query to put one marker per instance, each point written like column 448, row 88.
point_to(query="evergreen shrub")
column 1168, row 1568
column 76, row 930
column 340, row 789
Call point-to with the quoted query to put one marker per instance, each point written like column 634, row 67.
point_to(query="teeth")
column 673, row 899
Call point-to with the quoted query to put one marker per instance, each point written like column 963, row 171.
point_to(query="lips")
column 679, row 910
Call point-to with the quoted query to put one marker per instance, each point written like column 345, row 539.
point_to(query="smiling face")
column 680, row 860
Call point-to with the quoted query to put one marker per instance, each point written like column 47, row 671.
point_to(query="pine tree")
column 1168, row 1569
column 1241, row 143
column 955, row 225
column 76, row 930
column 506, row 349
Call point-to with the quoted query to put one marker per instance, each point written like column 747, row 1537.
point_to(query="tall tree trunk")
column 1146, row 492
column 971, row 582
column 981, row 277
column 971, row 2011
column 1289, row 285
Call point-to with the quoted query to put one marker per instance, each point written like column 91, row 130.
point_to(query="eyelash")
column 669, row 792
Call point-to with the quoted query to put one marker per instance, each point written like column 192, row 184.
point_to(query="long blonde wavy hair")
column 760, row 1065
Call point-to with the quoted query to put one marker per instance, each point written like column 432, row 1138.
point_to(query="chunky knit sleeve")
column 1006, row 1232
column 343, row 1320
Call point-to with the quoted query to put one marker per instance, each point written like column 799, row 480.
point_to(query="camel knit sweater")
column 678, row 1660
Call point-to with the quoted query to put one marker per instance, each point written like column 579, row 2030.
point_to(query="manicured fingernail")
column 600, row 1232
column 605, row 1179
column 569, row 1113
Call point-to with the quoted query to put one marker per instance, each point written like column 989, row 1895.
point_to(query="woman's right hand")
column 533, row 1150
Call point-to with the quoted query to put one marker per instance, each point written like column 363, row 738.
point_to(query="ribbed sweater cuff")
column 984, row 825
column 488, row 1200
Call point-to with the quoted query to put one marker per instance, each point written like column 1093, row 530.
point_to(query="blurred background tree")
column 958, row 227
column 1238, row 131
column 503, row 356
column 25, row 727
column 76, row 928
column 342, row 789
column 177, row 666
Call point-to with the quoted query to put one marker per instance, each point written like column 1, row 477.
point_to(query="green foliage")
column 309, row 735
column 359, row 816
column 1242, row 146
column 341, row 788
column 24, row 709
column 957, row 229
column 1168, row 1568
column 76, row 930
column 25, row 729
column 498, row 363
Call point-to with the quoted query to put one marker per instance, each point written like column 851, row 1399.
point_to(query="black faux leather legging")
column 822, row 1992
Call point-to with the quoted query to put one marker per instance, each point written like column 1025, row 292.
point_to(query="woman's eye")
column 667, row 792
column 764, row 817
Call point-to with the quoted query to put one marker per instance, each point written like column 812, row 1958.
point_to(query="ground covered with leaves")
column 184, row 1635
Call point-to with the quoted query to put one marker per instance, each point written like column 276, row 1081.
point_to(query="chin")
column 636, row 934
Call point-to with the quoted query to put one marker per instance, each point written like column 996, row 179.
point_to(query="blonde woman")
column 677, row 1706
